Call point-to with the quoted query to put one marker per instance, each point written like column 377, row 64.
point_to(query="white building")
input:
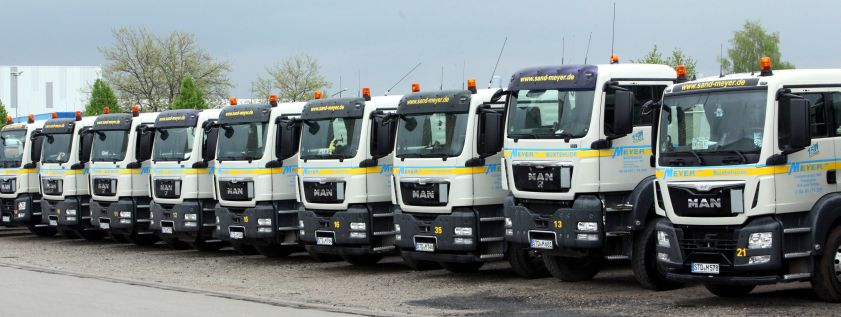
column 46, row 89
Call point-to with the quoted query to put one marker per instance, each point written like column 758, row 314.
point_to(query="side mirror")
column 209, row 147
column 85, row 145
column 623, row 112
column 490, row 132
column 288, row 137
column 383, row 131
column 37, row 140
column 145, row 140
column 795, row 119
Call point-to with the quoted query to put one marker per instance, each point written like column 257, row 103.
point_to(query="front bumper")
column 122, row 216
column 555, row 221
column 187, row 220
column 725, row 246
column 23, row 210
column 68, row 213
column 243, row 225
column 376, row 237
column 438, row 231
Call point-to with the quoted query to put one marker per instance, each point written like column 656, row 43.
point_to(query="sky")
column 376, row 42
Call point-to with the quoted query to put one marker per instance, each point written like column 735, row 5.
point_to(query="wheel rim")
column 836, row 265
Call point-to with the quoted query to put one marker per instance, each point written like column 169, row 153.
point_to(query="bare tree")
column 261, row 88
column 147, row 69
column 296, row 78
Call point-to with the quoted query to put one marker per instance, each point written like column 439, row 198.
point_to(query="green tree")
column 189, row 96
column 677, row 58
column 101, row 96
column 3, row 114
column 296, row 79
column 748, row 45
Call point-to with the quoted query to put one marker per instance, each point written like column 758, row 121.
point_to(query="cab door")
column 811, row 172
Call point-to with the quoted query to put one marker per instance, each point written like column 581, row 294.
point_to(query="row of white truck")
column 728, row 181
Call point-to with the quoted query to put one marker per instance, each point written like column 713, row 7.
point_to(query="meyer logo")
column 239, row 113
column 172, row 118
column 423, row 194
column 54, row 126
column 528, row 79
column 166, row 187
column 704, row 203
column 328, row 108
column 428, row 101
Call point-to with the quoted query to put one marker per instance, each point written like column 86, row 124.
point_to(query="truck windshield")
column 13, row 143
column 109, row 146
column 335, row 138
column 57, row 148
column 548, row 114
column 242, row 141
column 174, row 144
column 431, row 135
column 712, row 128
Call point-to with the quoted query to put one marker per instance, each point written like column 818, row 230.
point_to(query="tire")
column 244, row 249
column 644, row 261
column 176, row 244
column 419, row 265
column 573, row 269
column 363, row 260
column 274, row 251
column 143, row 239
column 526, row 262
column 729, row 290
column 118, row 238
column 324, row 257
column 826, row 280
column 43, row 231
column 469, row 267
column 92, row 235
column 205, row 246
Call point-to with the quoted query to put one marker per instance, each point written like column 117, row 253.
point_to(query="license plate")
column 167, row 230
column 324, row 241
column 104, row 225
column 7, row 219
column 424, row 247
column 710, row 268
column 542, row 244
column 237, row 235
column 53, row 223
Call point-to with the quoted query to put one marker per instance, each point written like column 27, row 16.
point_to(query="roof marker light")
column 31, row 118
column 765, row 66
column 78, row 115
column 614, row 59
column 471, row 85
column 135, row 110
column 106, row 110
column 366, row 93
column 415, row 87
column 232, row 101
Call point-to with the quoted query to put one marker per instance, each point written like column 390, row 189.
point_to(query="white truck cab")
column 578, row 167
column 20, row 195
column 183, row 195
column 119, row 175
column 747, row 180
column 256, row 161
column 344, row 177
column 65, row 190
column 447, row 179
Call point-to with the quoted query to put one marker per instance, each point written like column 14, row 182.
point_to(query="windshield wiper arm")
column 697, row 156
column 523, row 136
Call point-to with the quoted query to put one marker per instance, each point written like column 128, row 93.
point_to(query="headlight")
column 396, row 228
column 190, row 217
column 264, row 230
column 588, row 226
column 663, row 239
column 264, row 221
column 190, row 224
column 300, row 224
column 463, row 241
column 759, row 259
column 70, row 212
column 358, row 235
column 587, row 237
column 463, row 231
column 760, row 240
column 508, row 222
column 125, row 214
column 662, row 256
column 360, row 226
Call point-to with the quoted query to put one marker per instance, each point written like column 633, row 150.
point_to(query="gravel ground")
column 388, row 288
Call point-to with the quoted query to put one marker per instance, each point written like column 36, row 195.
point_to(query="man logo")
column 704, row 203
column 423, row 194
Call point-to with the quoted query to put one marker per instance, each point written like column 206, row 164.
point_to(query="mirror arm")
column 274, row 164
column 475, row 162
column 371, row 162
column 133, row 165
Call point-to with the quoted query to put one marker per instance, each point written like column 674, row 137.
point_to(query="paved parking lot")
column 388, row 289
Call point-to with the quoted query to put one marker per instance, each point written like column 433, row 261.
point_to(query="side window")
column 817, row 115
column 641, row 95
column 836, row 112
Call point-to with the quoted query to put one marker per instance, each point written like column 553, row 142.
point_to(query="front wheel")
column 43, row 231
column 730, row 290
column 469, row 267
column 573, row 269
column 644, row 261
column 526, row 262
column 274, row 250
column 826, row 282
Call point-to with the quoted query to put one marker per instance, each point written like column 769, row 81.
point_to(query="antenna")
column 613, row 31
column 402, row 78
column 563, row 48
column 587, row 53
column 358, row 83
column 490, row 82
column 463, row 67
column 721, row 60
column 442, row 78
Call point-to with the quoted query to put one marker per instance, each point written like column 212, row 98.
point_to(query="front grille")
column 52, row 186
column 551, row 179
column 708, row 245
column 7, row 185
column 236, row 190
column 327, row 192
column 105, row 186
column 167, row 188
column 716, row 202
column 428, row 194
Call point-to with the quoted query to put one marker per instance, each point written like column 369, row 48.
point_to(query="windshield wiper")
column 742, row 157
column 423, row 155
column 517, row 136
column 697, row 156
column 325, row 157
